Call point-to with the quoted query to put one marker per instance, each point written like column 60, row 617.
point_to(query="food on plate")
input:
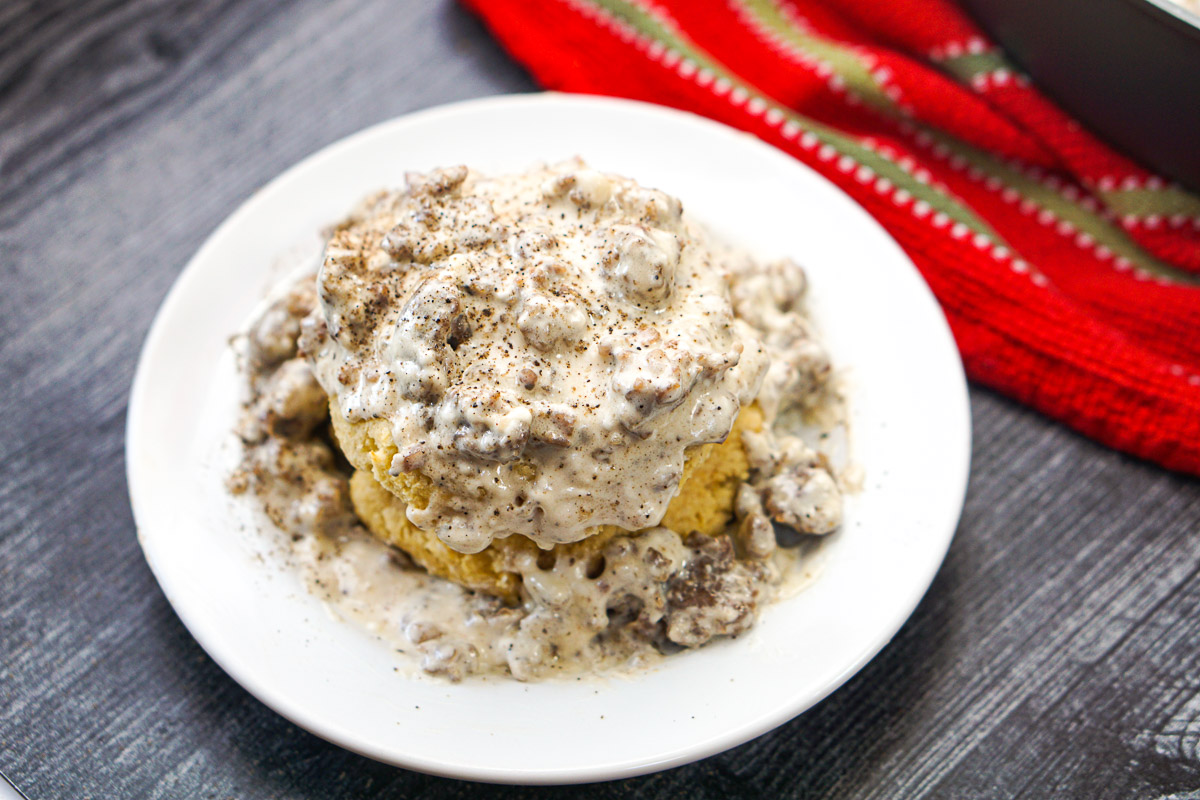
column 539, row 423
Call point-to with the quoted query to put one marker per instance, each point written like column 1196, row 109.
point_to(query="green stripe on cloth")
column 846, row 63
column 1168, row 201
column 969, row 65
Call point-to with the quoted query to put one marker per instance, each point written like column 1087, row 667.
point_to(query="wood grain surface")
column 1057, row 654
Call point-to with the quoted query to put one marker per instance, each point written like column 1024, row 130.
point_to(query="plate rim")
column 141, row 390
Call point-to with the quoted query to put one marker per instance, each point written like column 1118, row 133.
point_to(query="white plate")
column 909, row 419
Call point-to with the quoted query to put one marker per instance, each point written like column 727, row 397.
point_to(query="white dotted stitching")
column 1111, row 183
column 1046, row 216
column 1001, row 76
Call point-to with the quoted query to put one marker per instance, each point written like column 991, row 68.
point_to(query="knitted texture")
column 1066, row 271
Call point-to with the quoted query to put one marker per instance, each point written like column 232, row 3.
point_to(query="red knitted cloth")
column 1065, row 270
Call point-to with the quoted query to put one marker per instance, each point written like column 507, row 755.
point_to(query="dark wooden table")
column 1057, row 654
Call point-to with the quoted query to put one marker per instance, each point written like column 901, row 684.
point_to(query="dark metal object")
column 1129, row 69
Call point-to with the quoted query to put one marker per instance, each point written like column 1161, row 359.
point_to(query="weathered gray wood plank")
column 1057, row 654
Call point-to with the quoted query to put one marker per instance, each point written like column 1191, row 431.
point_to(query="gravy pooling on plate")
column 534, row 379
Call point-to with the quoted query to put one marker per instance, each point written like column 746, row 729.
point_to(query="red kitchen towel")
column 1067, row 272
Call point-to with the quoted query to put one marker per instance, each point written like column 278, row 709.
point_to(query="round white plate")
column 910, row 427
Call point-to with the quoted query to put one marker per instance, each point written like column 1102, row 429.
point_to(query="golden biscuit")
column 704, row 503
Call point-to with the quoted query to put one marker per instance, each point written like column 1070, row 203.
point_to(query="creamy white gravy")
column 560, row 318
column 547, row 345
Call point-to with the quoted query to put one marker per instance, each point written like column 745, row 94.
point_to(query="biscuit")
column 703, row 503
